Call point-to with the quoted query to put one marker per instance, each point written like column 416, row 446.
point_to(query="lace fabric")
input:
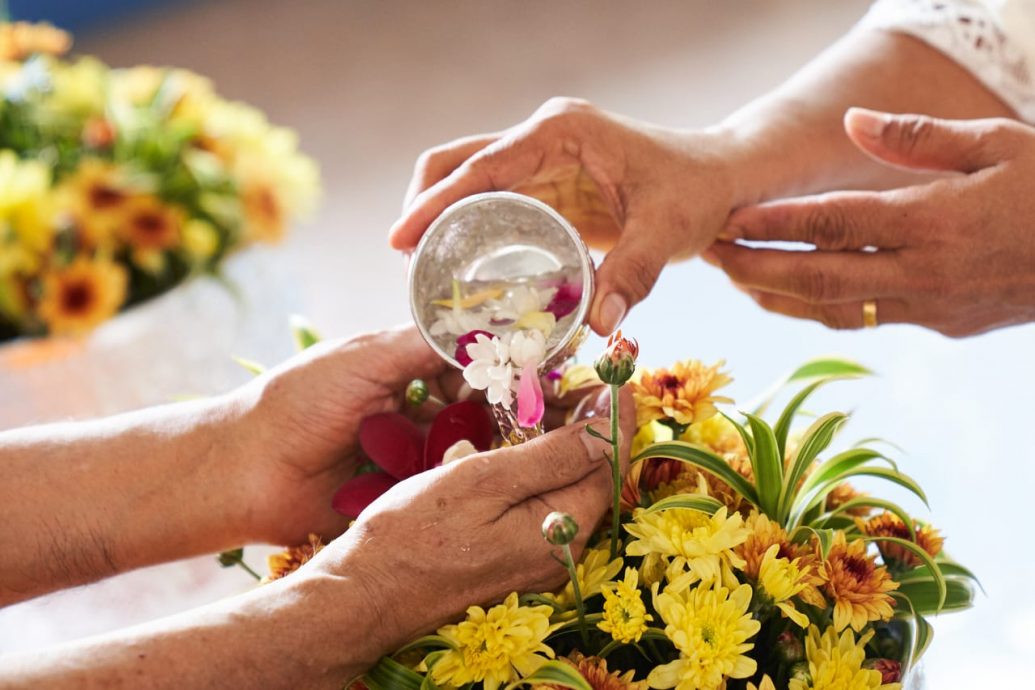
column 993, row 39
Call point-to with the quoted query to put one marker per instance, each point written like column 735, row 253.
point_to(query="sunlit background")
column 369, row 84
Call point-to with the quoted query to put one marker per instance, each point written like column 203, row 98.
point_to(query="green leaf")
column 816, row 439
column 924, row 595
column 426, row 642
column 389, row 674
column 783, row 424
column 250, row 366
column 823, row 367
column 825, row 537
column 554, row 673
column 705, row 460
column 872, row 502
column 815, row 496
column 704, row 504
column 596, row 434
column 835, row 467
column 950, row 569
column 920, row 631
column 304, row 333
column 749, row 442
column 767, row 464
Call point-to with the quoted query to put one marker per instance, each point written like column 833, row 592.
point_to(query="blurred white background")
column 370, row 84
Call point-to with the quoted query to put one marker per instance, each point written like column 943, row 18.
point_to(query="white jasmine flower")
column 527, row 348
column 459, row 321
column 490, row 369
column 520, row 301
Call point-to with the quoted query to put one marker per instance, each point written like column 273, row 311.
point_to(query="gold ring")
column 870, row 313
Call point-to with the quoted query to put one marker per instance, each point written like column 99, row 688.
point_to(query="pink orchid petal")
column 462, row 421
column 357, row 493
column 531, row 406
column 463, row 341
column 394, row 443
column 565, row 300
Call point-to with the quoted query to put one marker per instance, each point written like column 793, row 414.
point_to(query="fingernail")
column 868, row 123
column 712, row 257
column 730, row 233
column 612, row 311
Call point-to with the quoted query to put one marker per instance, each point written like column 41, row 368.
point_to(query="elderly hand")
column 470, row 531
column 652, row 193
column 956, row 255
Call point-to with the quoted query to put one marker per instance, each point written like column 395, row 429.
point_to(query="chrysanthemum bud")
column 417, row 392
column 617, row 364
column 800, row 671
column 790, row 647
column 304, row 333
column 560, row 528
column 890, row 670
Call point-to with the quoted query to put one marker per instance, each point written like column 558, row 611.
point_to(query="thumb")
column 921, row 142
column 552, row 461
column 626, row 276
column 397, row 356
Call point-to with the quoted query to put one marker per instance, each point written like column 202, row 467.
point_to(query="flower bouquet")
column 118, row 184
column 738, row 554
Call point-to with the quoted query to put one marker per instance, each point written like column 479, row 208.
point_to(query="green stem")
column 616, row 472
column 240, row 562
column 580, row 608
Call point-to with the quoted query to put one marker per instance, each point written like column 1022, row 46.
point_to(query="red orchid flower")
column 565, row 300
column 401, row 450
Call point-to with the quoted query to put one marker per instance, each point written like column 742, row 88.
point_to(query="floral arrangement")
column 737, row 555
column 118, row 184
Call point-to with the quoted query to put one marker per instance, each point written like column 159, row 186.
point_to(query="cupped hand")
column 647, row 193
column 470, row 531
column 956, row 255
column 302, row 424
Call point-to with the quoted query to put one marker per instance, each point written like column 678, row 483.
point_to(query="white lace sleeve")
column 993, row 39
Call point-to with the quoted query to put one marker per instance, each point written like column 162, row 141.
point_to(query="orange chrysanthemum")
column 691, row 480
column 843, row 493
column 291, row 559
column 78, row 297
column 764, row 534
column 19, row 40
column 263, row 212
column 151, row 225
column 891, row 525
column 684, row 393
column 594, row 670
column 856, row 584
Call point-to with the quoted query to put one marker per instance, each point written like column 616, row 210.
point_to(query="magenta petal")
column 463, row 341
column 393, row 442
column 357, row 493
column 565, row 300
column 464, row 420
column 530, row 403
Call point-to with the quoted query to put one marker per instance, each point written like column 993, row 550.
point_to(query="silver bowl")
column 502, row 237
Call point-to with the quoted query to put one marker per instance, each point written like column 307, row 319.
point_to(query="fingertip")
column 609, row 311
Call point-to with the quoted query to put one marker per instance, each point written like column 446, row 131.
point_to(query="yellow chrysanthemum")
column 836, row 663
column 78, row 87
column 684, row 393
column 689, row 540
column 96, row 197
column 766, row 684
column 24, row 207
column 595, row 569
column 577, row 377
column 495, row 647
column 148, row 224
column 717, row 434
column 779, row 580
column 80, row 296
column 283, row 563
column 891, row 525
column 711, row 629
column 857, row 586
column 625, row 615
column 766, row 533
column 594, row 670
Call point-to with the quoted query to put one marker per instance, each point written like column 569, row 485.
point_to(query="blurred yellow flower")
column 691, row 541
column 779, row 580
column 80, row 296
column 495, row 647
column 710, row 627
column 594, row 569
column 96, row 196
column 836, row 663
column 24, row 202
column 857, row 586
column 200, row 239
column 576, row 377
column 684, row 393
column 625, row 615
column 149, row 224
column 19, row 40
column 78, row 87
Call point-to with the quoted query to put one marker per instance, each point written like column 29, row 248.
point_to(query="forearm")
column 308, row 630
column 81, row 501
column 792, row 141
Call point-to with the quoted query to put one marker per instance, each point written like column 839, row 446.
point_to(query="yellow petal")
column 470, row 301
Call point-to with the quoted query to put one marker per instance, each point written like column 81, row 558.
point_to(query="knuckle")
column 817, row 285
column 836, row 319
column 638, row 275
column 906, row 134
column 827, row 227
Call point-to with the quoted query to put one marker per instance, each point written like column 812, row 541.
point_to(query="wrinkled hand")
column 303, row 422
column 470, row 531
column 956, row 255
column 653, row 194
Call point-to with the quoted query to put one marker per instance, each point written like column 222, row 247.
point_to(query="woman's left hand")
column 956, row 255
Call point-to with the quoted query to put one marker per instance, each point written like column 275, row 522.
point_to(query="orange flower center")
column 104, row 197
column 859, row 568
column 670, row 382
column 77, row 297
